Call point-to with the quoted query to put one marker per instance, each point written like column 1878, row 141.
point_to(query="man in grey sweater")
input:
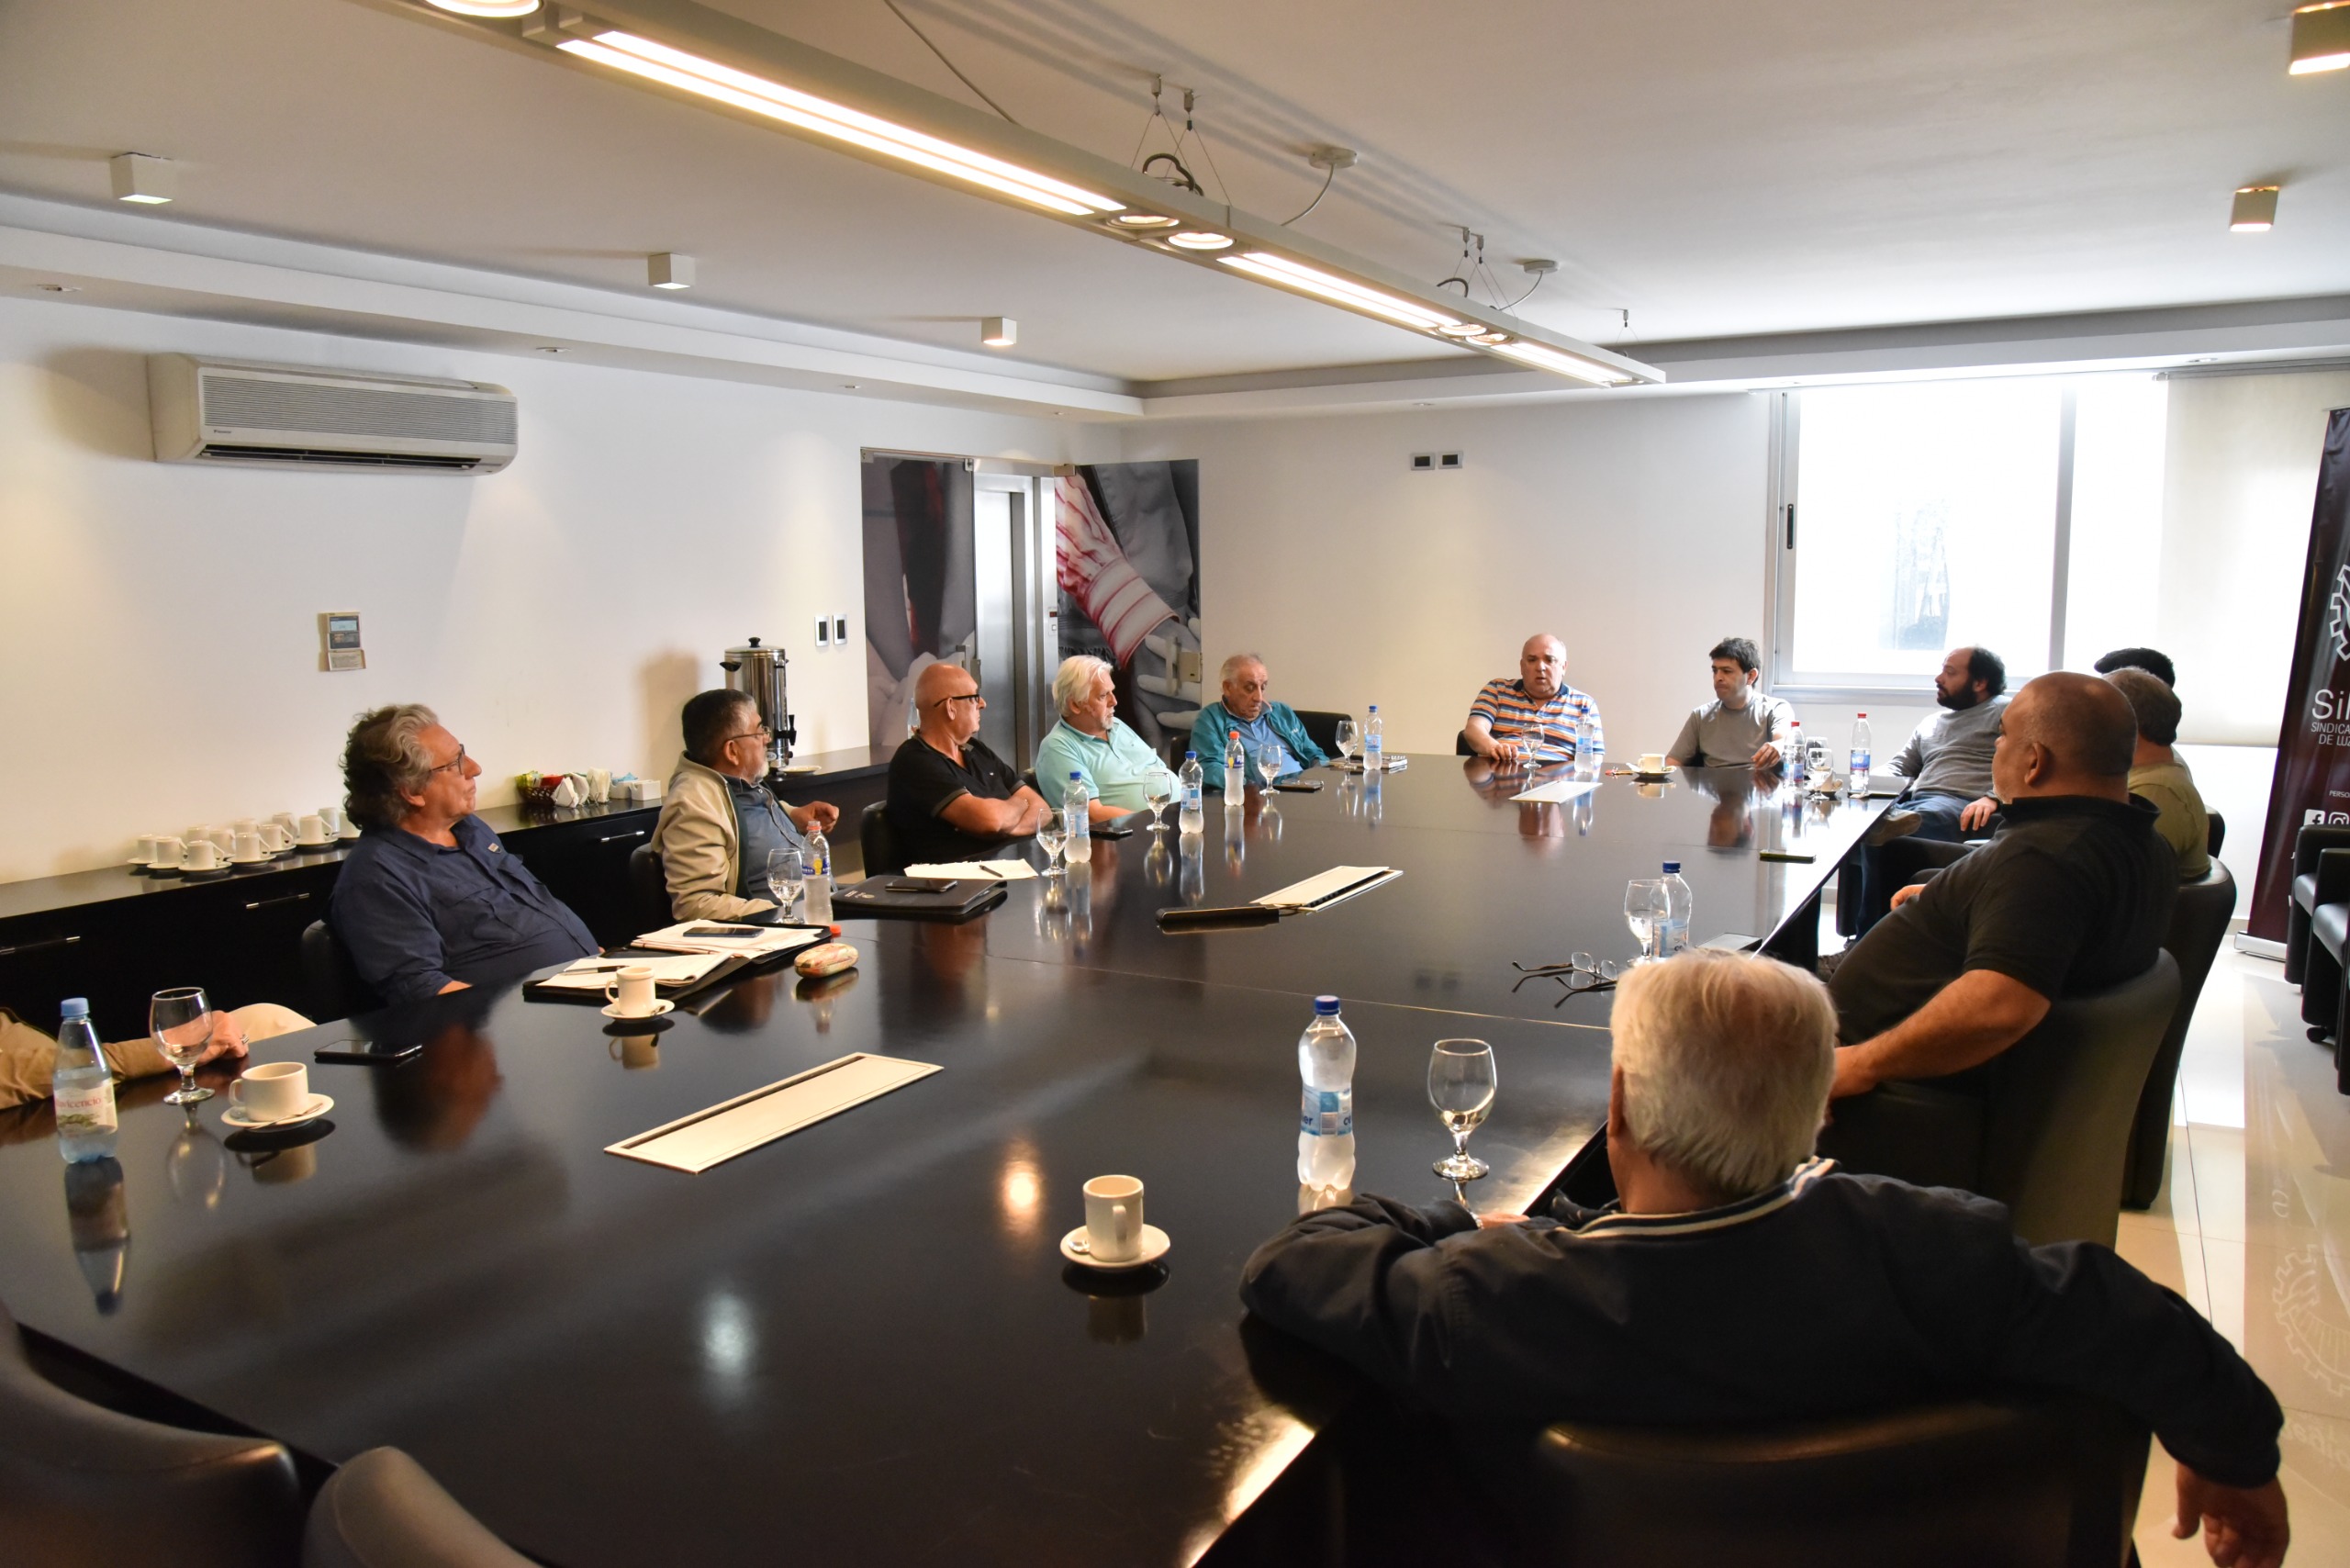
column 1948, row 764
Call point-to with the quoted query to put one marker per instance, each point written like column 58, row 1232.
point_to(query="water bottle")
column 84, row 1085
column 1585, row 763
column 818, row 909
column 1075, row 802
column 1673, row 931
column 1236, row 773
column 1325, row 1118
column 1859, row 756
column 1374, row 748
column 1192, row 819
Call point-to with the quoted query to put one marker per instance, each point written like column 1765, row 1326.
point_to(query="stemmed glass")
column 786, row 877
column 1460, row 1087
column 1052, row 832
column 1269, row 767
column 1346, row 739
column 1645, row 907
column 180, row 1021
column 1158, row 789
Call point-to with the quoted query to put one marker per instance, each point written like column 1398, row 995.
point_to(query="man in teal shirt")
column 1095, row 742
column 1266, row 726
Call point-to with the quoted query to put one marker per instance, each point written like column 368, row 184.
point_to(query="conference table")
column 861, row 1342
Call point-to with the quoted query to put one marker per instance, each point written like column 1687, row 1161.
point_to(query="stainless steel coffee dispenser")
column 760, row 671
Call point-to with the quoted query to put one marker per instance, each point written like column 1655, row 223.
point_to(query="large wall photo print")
column 1128, row 562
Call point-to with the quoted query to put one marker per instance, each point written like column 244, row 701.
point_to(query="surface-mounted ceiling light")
column 669, row 270
column 151, row 182
column 2320, row 37
column 999, row 332
column 2254, row 211
column 486, row 7
column 1280, row 269
column 1491, row 339
column 1541, row 356
column 1199, row 239
column 771, row 100
column 1464, row 328
column 1143, row 220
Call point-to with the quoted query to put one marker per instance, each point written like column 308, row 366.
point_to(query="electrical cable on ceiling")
column 950, row 65
column 1327, row 181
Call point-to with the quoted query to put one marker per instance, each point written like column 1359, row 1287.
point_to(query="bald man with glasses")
column 950, row 796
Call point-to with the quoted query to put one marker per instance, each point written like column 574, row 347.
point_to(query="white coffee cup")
column 272, row 1091
column 284, row 819
column 630, row 991
column 246, row 824
column 144, row 852
column 203, row 854
column 1651, row 762
column 600, row 786
column 248, row 846
column 169, row 853
column 331, row 818
column 275, row 837
column 310, row 830
column 1112, row 1219
column 223, row 838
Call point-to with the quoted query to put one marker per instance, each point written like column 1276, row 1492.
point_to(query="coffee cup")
column 224, row 839
column 272, row 1091
column 143, row 854
column 630, row 992
column 634, row 1051
column 246, row 824
column 1114, row 1218
column 203, row 854
column 310, row 831
column 248, row 847
column 1651, row 762
column 285, row 819
column 275, row 837
column 169, row 853
column 331, row 818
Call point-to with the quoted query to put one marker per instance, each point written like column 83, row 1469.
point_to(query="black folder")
column 920, row 898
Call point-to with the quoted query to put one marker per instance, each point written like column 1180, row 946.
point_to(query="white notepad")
column 974, row 871
column 591, row 974
column 693, row 1144
column 1334, row 886
column 1559, row 790
column 724, row 938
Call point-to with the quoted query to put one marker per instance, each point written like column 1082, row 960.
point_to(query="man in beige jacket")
column 718, row 822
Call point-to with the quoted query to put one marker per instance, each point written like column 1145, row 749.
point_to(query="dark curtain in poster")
column 1130, row 566
column 2312, row 779
column 920, row 605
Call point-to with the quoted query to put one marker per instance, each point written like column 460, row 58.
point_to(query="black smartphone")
column 1299, row 787
column 369, row 1053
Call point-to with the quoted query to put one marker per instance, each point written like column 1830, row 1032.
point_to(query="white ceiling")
column 1717, row 167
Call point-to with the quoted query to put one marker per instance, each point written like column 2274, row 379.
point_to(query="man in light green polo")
column 1093, row 741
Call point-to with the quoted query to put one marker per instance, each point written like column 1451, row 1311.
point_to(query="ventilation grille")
column 224, row 452
column 318, row 408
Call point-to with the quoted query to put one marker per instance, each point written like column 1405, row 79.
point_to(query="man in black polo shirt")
column 950, row 796
column 2072, row 895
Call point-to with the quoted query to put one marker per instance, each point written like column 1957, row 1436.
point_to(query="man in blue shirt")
column 1266, row 726
column 428, row 900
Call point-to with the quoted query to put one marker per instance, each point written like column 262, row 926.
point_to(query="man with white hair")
column 1266, row 727
column 1737, row 1280
column 1093, row 744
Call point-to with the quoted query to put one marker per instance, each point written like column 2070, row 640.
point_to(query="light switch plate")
column 840, row 629
column 823, row 632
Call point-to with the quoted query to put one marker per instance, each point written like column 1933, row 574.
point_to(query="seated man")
column 1737, row 1280
column 2153, row 661
column 1095, row 742
column 1532, row 717
column 2073, row 894
column 1264, row 724
column 2157, row 775
column 1741, row 725
column 718, row 820
column 950, row 796
column 1948, row 764
column 28, row 1057
column 428, row 900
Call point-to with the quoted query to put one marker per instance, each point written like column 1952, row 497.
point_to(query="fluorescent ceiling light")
column 1541, row 356
column 691, row 73
column 999, row 332
column 669, row 270
column 1201, row 239
column 2320, row 37
column 2254, row 211
column 1280, row 269
column 486, row 7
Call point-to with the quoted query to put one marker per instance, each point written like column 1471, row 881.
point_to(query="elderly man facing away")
column 1093, row 743
column 950, row 796
column 1532, row 718
column 2157, row 775
column 1267, row 727
column 1736, row 1280
column 719, row 824
column 427, row 899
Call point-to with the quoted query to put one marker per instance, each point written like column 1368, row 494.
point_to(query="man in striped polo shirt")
column 1532, row 719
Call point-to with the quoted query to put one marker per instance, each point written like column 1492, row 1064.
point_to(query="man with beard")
column 1948, row 763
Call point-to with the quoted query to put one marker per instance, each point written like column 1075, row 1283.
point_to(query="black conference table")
column 860, row 1343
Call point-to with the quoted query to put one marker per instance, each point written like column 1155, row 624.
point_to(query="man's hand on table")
column 228, row 1040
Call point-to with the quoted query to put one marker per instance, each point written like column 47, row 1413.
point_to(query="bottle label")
column 1326, row 1112
column 87, row 1108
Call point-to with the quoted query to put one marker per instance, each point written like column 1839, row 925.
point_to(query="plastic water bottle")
column 1236, row 773
column 84, row 1085
column 1193, row 818
column 1859, row 756
column 1374, row 746
column 818, row 909
column 1673, row 931
column 1586, row 766
column 1075, row 802
column 1326, row 1117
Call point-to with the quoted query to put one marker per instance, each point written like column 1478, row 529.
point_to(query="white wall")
column 159, row 642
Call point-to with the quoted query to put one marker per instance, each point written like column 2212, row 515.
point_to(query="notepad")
column 1335, row 885
column 694, row 1144
column 591, row 974
column 753, row 942
column 1559, row 790
column 974, row 871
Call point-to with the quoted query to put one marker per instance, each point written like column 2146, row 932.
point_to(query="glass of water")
column 1346, row 739
column 1052, row 833
column 1645, row 907
column 1460, row 1087
column 180, row 1021
column 786, row 877
column 1158, row 789
column 1269, row 766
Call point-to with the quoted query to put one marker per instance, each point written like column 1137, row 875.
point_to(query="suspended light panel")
column 493, row 8
column 2320, row 39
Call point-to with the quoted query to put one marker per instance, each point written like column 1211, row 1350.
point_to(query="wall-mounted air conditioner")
column 276, row 416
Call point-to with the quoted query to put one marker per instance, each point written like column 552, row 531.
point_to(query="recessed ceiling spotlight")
column 2254, row 211
column 58, row 287
column 669, row 270
column 1492, row 340
column 848, row 386
column 487, row 8
column 1464, row 328
column 999, row 332
column 2320, row 37
column 1199, row 239
column 149, row 182
column 550, row 348
column 1143, row 220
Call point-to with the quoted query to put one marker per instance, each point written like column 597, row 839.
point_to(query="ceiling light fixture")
column 2320, row 39
column 149, row 182
column 669, row 270
column 1199, row 239
column 999, row 332
column 486, row 7
column 2254, row 211
column 1143, row 221
column 1343, row 291
column 1541, row 356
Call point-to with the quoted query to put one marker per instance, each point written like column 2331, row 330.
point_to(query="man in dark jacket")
column 1738, row 1279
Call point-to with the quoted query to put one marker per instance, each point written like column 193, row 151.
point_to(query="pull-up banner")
column 2312, row 778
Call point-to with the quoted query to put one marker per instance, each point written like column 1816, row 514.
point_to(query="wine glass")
column 180, row 1021
column 1644, row 910
column 1052, row 832
column 1460, row 1087
column 786, row 877
column 1158, row 789
column 1269, row 766
column 1346, row 739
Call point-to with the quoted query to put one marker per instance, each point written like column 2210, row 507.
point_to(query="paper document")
column 1338, row 883
column 590, row 974
column 727, row 937
column 974, row 871
column 1559, row 790
column 693, row 1144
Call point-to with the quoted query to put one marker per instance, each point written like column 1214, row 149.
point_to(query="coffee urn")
column 760, row 671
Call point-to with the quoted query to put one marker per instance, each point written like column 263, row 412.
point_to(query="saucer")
column 313, row 842
column 261, row 860
column 660, row 1005
column 1154, row 1246
column 237, row 1116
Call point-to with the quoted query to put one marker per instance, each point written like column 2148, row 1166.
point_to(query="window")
column 1916, row 518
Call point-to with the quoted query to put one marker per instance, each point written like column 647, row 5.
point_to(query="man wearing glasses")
column 719, row 824
column 950, row 796
column 427, row 899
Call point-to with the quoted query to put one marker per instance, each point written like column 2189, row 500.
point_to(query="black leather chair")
column 333, row 980
column 2198, row 923
column 2309, row 847
column 1322, row 727
column 648, row 890
column 82, row 1486
column 2215, row 834
column 382, row 1510
column 879, row 843
column 1460, row 744
column 2024, row 1482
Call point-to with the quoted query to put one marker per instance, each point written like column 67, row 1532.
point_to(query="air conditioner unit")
column 276, row 416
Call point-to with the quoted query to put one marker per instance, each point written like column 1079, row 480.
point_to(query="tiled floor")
column 2253, row 1227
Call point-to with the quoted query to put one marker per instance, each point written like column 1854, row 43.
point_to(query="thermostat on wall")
column 340, row 630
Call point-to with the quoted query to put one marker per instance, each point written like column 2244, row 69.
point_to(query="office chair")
column 879, row 842
column 1322, row 727
column 382, row 1510
column 335, row 990
column 2198, row 923
column 648, row 890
